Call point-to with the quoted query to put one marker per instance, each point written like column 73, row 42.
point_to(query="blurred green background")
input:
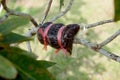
column 84, row 64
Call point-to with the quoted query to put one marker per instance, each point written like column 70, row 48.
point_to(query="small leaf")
column 61, row 3
column 12, row 23
column 13, row 38
column 27, row 65
column 117, row 10
column 7, row 70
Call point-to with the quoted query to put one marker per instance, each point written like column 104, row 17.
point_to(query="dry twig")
column 99, row 23
column 95, row 47
column 46, row 12
column 12, row 12
column 63, row 12
column 109, row 39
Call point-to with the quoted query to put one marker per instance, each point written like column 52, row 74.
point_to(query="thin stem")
column 47, row 11
column 99, row 23
column 109, row 39
column 29, row 46
column 96, row 48
column 63, row 12
column 12, row 12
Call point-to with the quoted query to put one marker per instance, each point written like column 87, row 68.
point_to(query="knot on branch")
column 96, row 47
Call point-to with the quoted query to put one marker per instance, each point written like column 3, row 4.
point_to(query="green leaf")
column 12, row 23
column 117, row 10
column 7, row 70
column 46, row 64
column 22, row 76
column 61, row 3
column 13, row 50
column 13, row 38
column 28, row 66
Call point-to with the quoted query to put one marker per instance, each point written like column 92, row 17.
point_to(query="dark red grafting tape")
column 59, row 36
column 44, row 35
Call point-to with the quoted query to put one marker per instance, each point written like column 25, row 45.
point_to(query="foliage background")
column 84, row 64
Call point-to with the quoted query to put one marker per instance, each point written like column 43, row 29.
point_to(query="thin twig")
column 12, row 12
column 95, row 47
column 63, row 12
column 46, row 11
column 99, row 23
column 109, row 39
column 25, row 15
column 3, row 2
column 29, row 46
column 30, row 33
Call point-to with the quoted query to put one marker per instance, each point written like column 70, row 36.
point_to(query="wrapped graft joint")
column 58, row 36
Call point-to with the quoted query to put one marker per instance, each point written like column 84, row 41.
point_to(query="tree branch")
column 95, row 47
column 29, row 46
column 3, row 2
column 109, row 39
column 11, row 12
column 30, row 33
column 99, row 23
column 63, row 12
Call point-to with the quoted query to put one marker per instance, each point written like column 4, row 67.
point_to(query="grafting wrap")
column 58, row 35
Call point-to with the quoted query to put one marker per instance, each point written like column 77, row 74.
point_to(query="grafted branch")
column 93, row 46
column 96, row 47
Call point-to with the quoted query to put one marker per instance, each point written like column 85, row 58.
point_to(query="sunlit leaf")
column 12, row 23
column 27, row 65
column 7, row 69
column 117, row 10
